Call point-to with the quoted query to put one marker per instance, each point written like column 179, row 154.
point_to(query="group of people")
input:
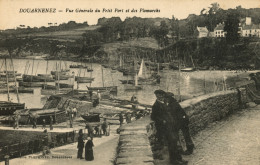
column 89, row 156
column 169, row 118
column 104, row 127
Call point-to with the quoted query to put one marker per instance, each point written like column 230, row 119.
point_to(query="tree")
column 231, row 27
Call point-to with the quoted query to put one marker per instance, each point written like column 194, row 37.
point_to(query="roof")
column 248, row 27
column 202, row 29
column 219, row 27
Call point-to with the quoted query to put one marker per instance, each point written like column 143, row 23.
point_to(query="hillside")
column 63, row 35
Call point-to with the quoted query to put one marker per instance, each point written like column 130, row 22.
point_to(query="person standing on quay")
column 158, row 116
column 80, row 144
column 43, row 124
column 182, row 120
column 89, row 156
column 51, row 122
column 121, row 118
column 172, row 128
column 105, row 127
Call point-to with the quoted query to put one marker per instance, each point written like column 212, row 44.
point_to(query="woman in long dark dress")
column 89, row 156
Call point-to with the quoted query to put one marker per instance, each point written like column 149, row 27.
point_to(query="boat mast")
column 8, row 97
column 15, row 83
column 59, row 72
column 179, row 77
column 32, row 70
column 46, row 74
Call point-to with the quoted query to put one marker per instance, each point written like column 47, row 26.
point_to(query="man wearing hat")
column 158, row 115
column 182, row 120
column 80, row 144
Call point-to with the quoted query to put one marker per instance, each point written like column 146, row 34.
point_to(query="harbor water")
column 189, row 87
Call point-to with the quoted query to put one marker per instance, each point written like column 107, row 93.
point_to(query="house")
column 201, row 32
column 219, row 30
column 250, row 30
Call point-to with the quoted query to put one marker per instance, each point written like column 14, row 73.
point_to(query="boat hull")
column 8, row 108
column 91, row 117
column 110, row 88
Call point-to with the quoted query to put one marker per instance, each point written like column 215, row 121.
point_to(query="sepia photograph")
column 130, row 82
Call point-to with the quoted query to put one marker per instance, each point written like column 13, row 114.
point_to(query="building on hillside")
column 219, row 30
column 249, row 30
column 201, row 32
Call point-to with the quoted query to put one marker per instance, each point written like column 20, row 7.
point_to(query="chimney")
column 248, row 20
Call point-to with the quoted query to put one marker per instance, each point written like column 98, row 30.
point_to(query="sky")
column 11, row 15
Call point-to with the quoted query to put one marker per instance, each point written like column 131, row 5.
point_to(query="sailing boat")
column 8, row 107
column 135, row 86
column 189, row 69
column 146, row 78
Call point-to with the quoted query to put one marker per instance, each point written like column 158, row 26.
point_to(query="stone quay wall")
column 208, row 108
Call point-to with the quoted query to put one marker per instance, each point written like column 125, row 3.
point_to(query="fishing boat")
column 8, row 108
column 188, row 69
column 62, row 72
column 91, row 117
column 84, row 81
column 135, row 86
column 20, row 90
column 127, row 81
column 64, row 85
column 50, row 87
column 41, row 114
column 31, row 84
column 84, row 78
column 33, row 78
column 108, row 88
column 9, row 79
column 62, row 77
column 89, row 69
column 10, row 75
column 112, row 116
column 78, row 66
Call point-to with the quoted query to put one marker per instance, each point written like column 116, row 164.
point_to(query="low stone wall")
column 205, row 109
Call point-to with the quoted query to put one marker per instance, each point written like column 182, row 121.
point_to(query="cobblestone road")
column 232, row 141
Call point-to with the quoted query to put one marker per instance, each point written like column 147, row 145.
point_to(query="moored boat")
column 108, row 88
column 8, row 108
column 92, row 117
column 83, row 78
column 41, row 114
column 188, row 69
column 31, row 84
column 63, row 85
